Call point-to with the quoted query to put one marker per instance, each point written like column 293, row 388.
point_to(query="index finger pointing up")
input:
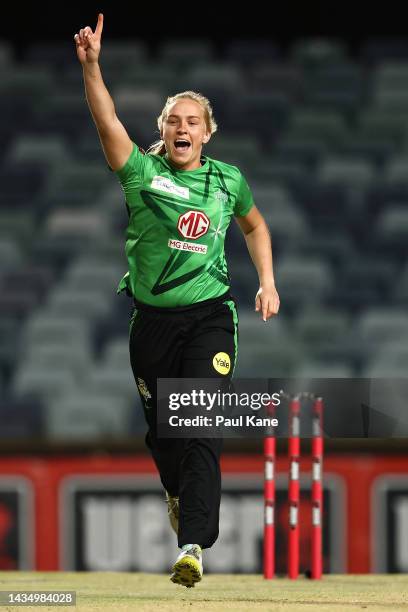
column 99, row 25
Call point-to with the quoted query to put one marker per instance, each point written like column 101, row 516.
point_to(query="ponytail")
column 157, row 148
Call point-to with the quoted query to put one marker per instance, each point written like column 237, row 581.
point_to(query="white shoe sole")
column 186, row 572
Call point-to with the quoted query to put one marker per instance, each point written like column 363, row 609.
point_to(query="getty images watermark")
column 353, row 407
column 222, row 400
column 210, row 408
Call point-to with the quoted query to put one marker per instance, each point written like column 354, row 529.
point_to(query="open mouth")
column 182, row 145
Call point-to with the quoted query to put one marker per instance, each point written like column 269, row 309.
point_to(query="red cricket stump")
column 294, row 491
column 269, row 500
column 317, row 490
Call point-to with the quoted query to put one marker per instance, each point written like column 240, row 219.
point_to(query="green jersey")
column 177, row 225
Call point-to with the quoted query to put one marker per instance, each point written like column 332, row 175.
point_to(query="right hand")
column 88, row 43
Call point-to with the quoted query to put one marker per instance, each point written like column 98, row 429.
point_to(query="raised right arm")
column 115, row 141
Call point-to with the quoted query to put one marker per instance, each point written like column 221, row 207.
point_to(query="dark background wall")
column 284, row 22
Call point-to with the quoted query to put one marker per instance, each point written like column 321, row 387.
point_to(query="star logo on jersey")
column 219, row 231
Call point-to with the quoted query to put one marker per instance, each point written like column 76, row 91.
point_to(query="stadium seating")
column 86, row 416
column 320, row 133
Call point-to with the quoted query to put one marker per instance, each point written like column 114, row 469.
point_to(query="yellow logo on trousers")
column 222, row 363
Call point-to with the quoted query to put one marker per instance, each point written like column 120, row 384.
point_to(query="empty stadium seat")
column 57, row 250
column 390, row 76
column 382, row 48
column 65, row 112
column 18, row 301
column 292, row 175
column 93, row 272
column 119, row 54
column 395, row 171
column 324, row 370
column 302, row 280
column 327, row 126
column 17, row 224
column 376, row 149
column 304, row 149
column 377, row 272
column 42, row 381
column 153, row 74
column 117, row 352
column 75, row 356
column 46, row 149
column 53, row 327
column 33, row 278
column 251, row 51
column 400, row 287
column 277, row 77
column 356, row 172
column 384, row 369
column 6, row 55
column 269, row 359
column 85, row 223
column 134, row 99
column 76, row 183
column 377, row 326
column 260, row 112
column 113, row 381
column 383, row 123
column 391, row 230
column 390, row 99
column 321, row 325
column 394, row 353
column 334, row 247
column 286, row 226
column 10, row 254
column 86, row 416
column 235, row 150
column 339, row 87
column 87, row 303
column 317, row 52
column 32, row 83
column 21, row 418
column 54, row 54
column 220, row 82
column 21, row 183
column 187, row 51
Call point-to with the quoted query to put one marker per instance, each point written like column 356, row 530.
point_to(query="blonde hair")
column 159, row 148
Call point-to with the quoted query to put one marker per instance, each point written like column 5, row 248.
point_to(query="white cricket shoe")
column 188, row 568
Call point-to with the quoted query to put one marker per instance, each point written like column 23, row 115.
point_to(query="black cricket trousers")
column 182, row 342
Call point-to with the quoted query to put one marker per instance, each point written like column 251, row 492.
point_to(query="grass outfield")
column 145, row 592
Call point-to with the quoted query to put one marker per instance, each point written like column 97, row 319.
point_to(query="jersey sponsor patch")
column 187, row 246
column 193, row 224
column 165, row 184
column 222, row 363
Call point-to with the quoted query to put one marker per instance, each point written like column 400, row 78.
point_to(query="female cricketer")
column 184, row 321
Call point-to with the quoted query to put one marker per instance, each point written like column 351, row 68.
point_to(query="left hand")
column 267, row 301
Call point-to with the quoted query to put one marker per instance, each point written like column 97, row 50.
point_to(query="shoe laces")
column 194, row 551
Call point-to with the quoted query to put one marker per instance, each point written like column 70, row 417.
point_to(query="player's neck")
column 192, row 165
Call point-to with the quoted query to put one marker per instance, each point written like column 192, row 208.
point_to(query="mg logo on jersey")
column 193, row 224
